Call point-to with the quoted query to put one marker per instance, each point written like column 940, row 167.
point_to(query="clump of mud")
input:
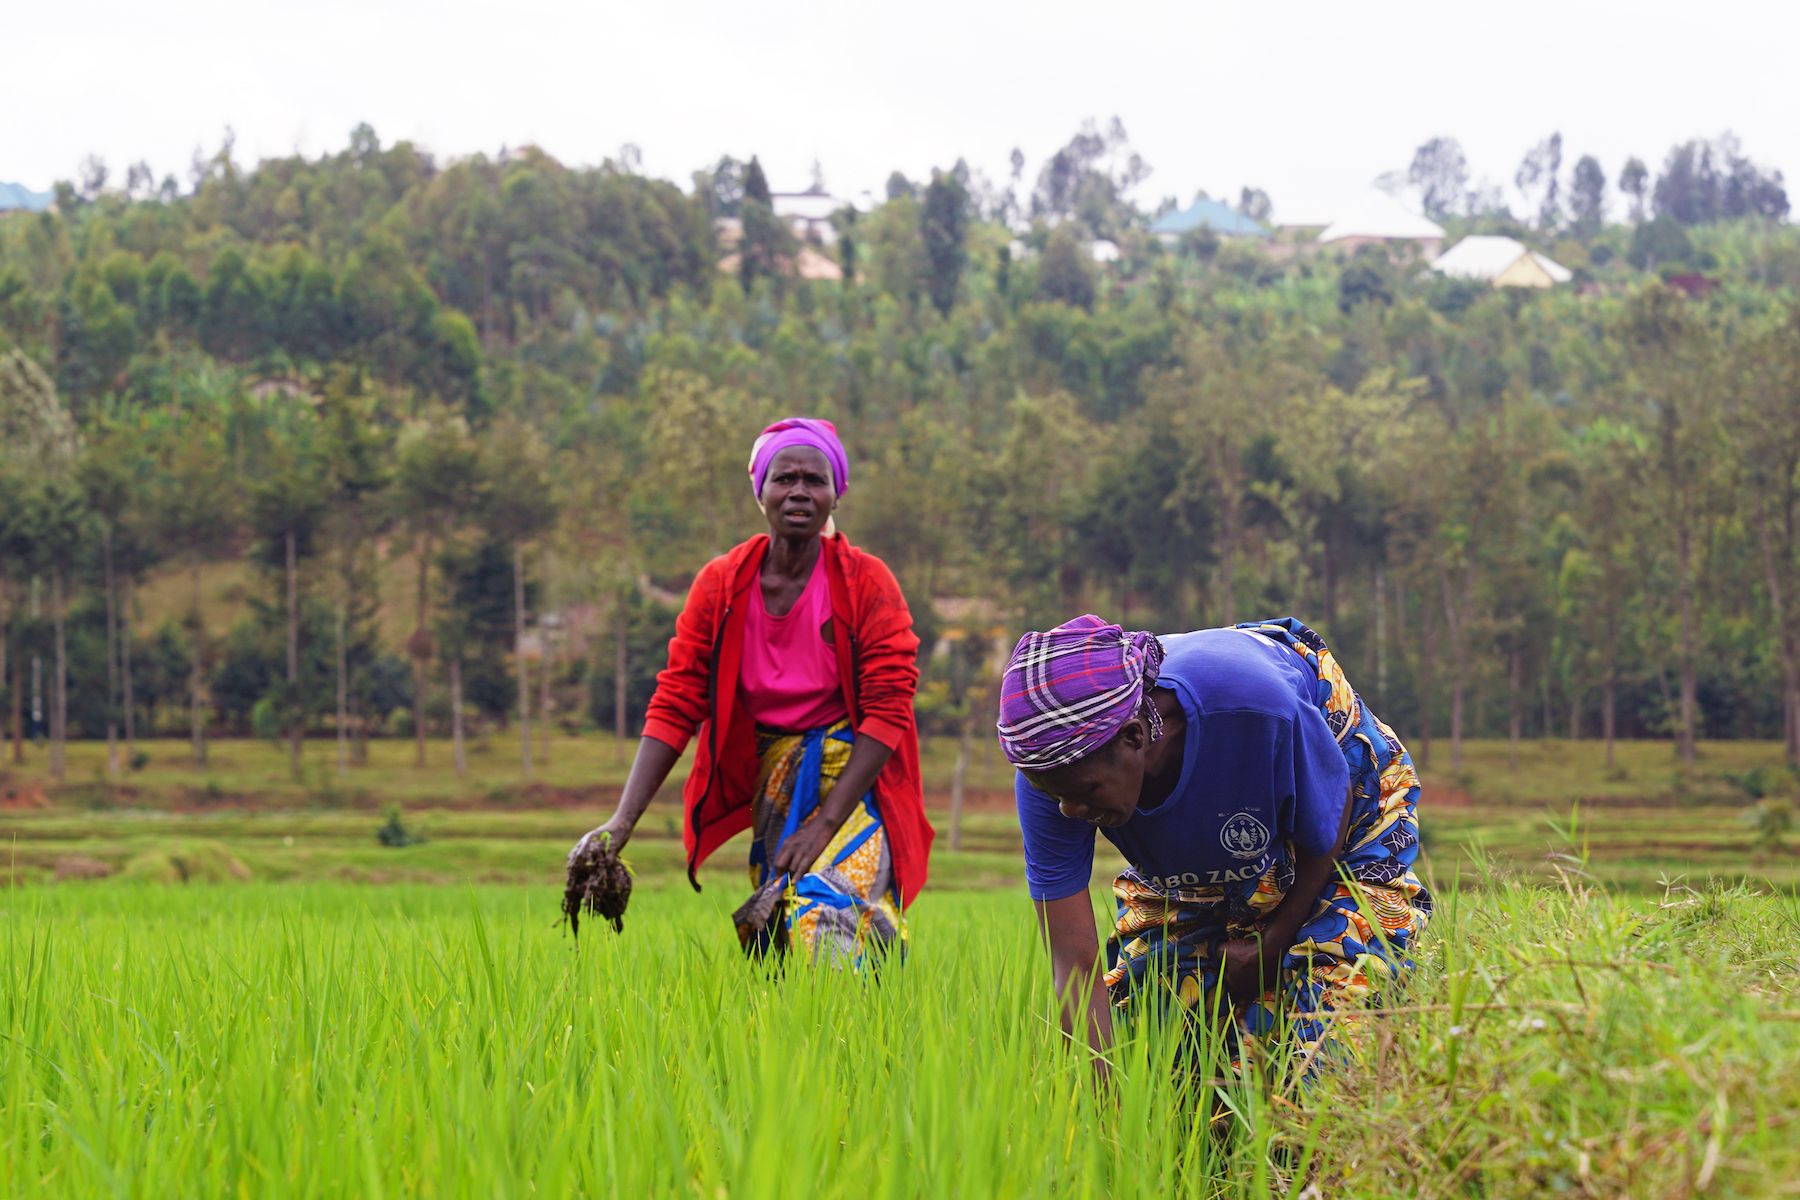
column 598, row 882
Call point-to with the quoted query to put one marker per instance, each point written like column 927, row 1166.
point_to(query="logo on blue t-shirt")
column 1244, row 836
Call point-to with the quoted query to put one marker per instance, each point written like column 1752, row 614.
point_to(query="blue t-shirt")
column 1259, row 768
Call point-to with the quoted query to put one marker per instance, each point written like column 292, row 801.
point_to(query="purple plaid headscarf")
column 1067, row 692
column 816, row 432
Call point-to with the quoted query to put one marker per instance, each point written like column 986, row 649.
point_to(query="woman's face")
column 797, row 493
column 1103, row 788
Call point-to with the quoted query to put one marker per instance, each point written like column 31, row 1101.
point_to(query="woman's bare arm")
column 1068, row 929
column 655, row 759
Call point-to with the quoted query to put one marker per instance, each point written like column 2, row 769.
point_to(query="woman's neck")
column 1163, row 763
column 793, row 557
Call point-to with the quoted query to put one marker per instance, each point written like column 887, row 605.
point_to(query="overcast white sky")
column 1307, row 100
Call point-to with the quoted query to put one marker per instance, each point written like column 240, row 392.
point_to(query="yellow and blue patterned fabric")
column 1167, row 942
column 847, row 907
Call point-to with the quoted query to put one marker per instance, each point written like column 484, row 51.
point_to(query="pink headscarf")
column 816, row 432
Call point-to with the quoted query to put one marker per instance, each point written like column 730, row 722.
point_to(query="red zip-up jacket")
column 877, row 664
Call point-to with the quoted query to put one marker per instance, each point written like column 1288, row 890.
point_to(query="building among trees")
column 808, row 214
column 1501, row 261
column 1222, row 219
column 17, row 196
column 1379, row 219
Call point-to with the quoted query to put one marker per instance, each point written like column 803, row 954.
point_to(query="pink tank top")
column 789, row 676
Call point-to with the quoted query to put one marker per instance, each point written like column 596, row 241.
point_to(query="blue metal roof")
column 17, row 195
column 1218, row 217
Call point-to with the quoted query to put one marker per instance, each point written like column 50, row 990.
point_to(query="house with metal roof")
column 1378, row 218
column 1208, row 214
column 809, row 214
column 17, row 195
column 1501, row 261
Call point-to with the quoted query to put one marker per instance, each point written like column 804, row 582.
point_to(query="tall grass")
column 323, row 1040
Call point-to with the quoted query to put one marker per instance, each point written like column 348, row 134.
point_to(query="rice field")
column 329, row 1039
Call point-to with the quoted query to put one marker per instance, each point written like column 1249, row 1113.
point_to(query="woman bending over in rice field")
column 1266, row 815
column 794, row 661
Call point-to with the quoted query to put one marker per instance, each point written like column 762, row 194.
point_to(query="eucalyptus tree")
column 41, row 445
column 51, row 526
column 518, row 506
column 1224, row 396
column 287, row 505
column 438, row 484
column 354, row 446
column 110, row 473
column 1764, row 431
column 1602, row 578
column 198, row 503
column 14, row 573
column 1478, row 502
column 1676, row 382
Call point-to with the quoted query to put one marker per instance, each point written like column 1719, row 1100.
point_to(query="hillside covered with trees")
column 472, row 426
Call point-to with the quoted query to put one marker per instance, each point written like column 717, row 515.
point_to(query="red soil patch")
column 80, row 866
column 17, row 795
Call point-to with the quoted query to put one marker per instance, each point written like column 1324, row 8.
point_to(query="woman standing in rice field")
column 794, row 660
column 1266, row 815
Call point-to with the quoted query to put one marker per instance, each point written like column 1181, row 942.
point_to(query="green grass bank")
column 245, row 815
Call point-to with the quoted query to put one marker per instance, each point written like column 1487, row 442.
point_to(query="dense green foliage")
column 1548, row 511
column 323, row 1039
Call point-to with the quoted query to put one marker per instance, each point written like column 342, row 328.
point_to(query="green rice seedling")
column 321, row 1040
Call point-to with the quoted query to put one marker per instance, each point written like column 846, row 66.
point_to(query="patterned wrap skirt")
column 846, row 909
column 1166, row 944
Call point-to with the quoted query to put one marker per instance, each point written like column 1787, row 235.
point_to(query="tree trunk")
column 1784, row 641
column 1427, row 661
column 18, row 708
column 6, row 657
column 1400, row 617
column 359, row 737
column 421, row 649
column 1456, row 722
column 112, row 654
column 296, row 726
column 1228, row 553
column 1662, row 687
column 620, row 691
column 546, row 668
column 343, row 699
column 1328, row 578
column 1514, row 715
column 1574, row 713
column 1380, row 635
column 125, row 670
column 1459, row 666
column 1544, row 693
column 194, row 674
column 519, row 657
column 959, row 777
column 59, row 703
column 456, row 713
column 1607, row 710
column 1684, row 558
